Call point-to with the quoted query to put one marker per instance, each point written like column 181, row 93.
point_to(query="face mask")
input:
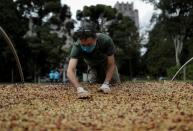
column 88, row 49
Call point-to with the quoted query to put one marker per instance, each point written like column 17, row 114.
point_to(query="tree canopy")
column 38, row 30
column 170, row 35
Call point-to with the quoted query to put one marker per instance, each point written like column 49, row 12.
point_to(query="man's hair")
column 87, row 29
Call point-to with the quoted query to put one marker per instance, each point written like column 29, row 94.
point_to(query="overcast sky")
column 145, row 10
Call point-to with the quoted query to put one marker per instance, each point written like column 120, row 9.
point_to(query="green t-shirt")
column 104, row 47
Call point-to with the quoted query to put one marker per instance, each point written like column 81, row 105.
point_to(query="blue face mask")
column 89, row 48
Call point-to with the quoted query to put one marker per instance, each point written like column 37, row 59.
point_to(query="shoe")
column 82, row 93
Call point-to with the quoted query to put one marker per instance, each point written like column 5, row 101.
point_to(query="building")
column 127, row 9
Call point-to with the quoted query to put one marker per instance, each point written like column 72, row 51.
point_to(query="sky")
column 145, row 9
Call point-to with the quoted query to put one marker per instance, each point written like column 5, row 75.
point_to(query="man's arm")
column 110, row 68
column 71, row 72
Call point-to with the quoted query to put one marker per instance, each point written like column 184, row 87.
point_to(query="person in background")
column 56, row 76
column 98, row 51
column 51, row 76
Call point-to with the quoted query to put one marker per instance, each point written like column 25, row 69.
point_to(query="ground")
column 130, row 106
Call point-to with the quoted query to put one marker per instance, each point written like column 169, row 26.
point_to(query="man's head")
column 87, row 36
column 86, row 30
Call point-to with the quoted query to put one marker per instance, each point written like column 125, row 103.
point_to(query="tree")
column 99, row 14
column 38, row 29
column 50, row 26
column 159, row 55
column 177, row 18
column 126, row 38
column 15, row 26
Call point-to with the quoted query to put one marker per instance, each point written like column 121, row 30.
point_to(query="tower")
column 127, row 9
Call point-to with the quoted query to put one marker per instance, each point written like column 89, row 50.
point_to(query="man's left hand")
column 105, row 88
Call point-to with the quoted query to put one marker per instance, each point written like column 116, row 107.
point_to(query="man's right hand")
column 82, row 93
column 71, row 72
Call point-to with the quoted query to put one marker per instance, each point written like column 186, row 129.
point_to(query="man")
column 98, row 53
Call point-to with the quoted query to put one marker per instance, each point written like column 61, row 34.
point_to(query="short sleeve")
column 75, row 51
column 110, row 47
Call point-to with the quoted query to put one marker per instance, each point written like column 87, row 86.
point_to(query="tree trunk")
column 130, row 69
column 178, row 43
column 12, row 75
column 35, row 79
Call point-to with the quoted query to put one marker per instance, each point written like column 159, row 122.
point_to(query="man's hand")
column 71, row 72
column 105, row 88
column 82, row 93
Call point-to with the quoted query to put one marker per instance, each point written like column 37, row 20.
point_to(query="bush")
column 172, row 71
column 189, row 72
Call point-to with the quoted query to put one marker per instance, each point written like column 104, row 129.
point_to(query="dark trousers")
column 97, row 74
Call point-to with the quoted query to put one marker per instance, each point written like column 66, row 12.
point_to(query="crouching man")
column 98, row 50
